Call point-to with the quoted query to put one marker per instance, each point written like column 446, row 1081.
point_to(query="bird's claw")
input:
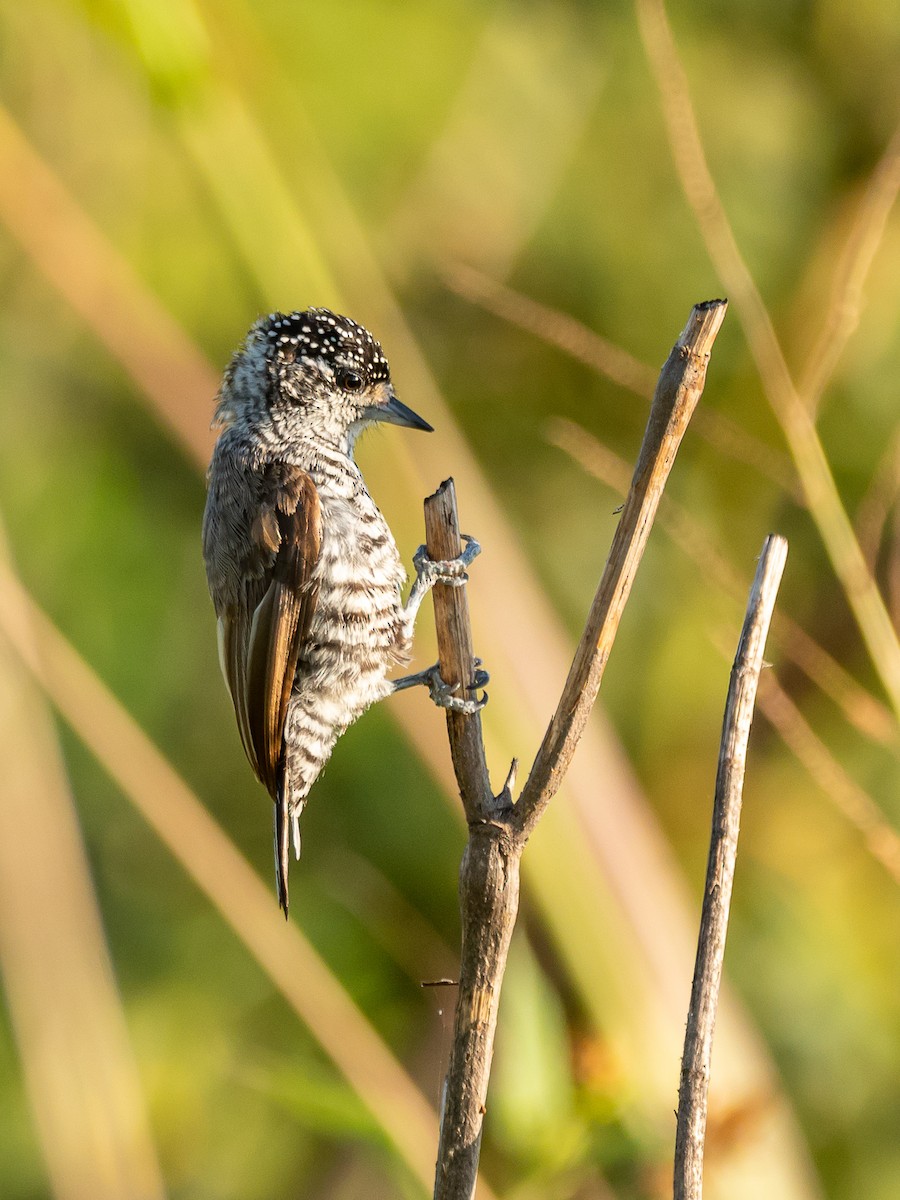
column 443, row 694
column 451, row 572
column 482, row 678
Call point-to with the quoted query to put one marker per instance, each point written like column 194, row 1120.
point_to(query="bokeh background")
column 523, row 201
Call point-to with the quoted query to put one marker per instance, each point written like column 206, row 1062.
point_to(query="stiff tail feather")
column 282, row 846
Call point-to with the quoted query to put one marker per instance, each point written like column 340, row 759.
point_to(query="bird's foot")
column 450, row 571
column 430, row 571
column 444, row 694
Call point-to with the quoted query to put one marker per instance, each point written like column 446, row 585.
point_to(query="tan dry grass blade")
column 875, row 507
column 252, row 193
column 610, row 856
column 75, row 257
column 223, row 874
column 853, row 801
column 515, row 122
column 607, row 359
column 822, row 496
column 842, row 318
column 79, row 1069
column 846, row 300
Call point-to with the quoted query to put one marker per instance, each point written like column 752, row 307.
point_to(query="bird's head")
column 312, row 374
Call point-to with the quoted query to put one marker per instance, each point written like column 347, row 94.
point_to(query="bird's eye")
column 349, row 381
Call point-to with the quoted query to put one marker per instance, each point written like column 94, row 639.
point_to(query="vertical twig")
column 678, row 391
column 694, row 1088
column 457, row 658
column 488, row 882
column 498, row 829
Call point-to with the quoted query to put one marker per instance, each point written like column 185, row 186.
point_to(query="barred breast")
column 358, row 631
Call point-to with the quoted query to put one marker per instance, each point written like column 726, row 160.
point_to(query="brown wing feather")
column 233, row 626
column 262, row 639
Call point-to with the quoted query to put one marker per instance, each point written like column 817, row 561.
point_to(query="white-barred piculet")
column 304, row 573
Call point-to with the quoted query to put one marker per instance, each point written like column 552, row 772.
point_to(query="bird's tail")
column 282, row 844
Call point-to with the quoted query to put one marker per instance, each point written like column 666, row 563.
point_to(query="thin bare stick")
column 695, row 1064
column 488, row 882
column 498, row 830
column 677, row 393
column 454, row 639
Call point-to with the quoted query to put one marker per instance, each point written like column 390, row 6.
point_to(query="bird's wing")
column 263, row 634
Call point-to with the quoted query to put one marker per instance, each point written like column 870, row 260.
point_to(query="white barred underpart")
column 359, row 630
column 283, row 401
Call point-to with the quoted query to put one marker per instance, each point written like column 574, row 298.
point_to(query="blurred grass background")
column 168, row 171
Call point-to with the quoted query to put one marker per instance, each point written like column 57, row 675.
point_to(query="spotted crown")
column 320, row 333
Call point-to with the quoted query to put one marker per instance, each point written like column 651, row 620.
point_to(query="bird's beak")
column 396, row 413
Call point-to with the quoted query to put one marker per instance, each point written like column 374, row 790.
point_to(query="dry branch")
column 680, row 386
column 488, row 881
column 454, row 639
column 498, row 829
column 694, row 1089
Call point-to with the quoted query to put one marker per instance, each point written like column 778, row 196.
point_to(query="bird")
column 305, row 576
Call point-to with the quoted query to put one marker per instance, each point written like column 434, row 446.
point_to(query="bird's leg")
column 452, row 573
column 443, row 693
column 429, row 572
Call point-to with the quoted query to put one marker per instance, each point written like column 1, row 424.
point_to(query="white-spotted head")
column 312, row 374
